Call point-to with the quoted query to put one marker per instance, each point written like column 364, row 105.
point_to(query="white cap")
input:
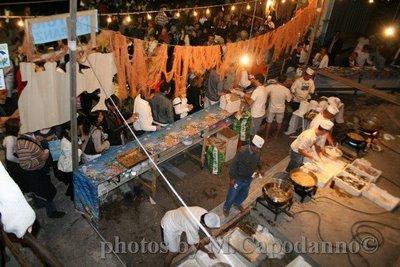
column 326, row 124
column 258, row 141
column 310, row 71
column 333, row 109
column 212, row 220
column 323, row 104
column 334, row 101
column 269, row 17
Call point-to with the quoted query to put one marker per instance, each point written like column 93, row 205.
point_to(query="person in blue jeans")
column 245, row 163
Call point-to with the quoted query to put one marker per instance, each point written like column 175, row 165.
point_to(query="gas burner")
column 275, row 209
column 303, row 193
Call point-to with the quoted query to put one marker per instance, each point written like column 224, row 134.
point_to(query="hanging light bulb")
column 245, row 60
column 248, row 7
column 177, row 15
column 128, row 19
column 195, row 13
column 389, row 31
column 149, row 16
column 109, row 19
column 283, row 1
column 371, row 1
column 208, row 11
column 20, row 23
column 233, row 8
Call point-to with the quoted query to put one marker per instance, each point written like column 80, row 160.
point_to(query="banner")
column 4, row 56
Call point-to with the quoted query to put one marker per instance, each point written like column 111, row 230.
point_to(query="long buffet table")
column 388, row 78
column 94, row 180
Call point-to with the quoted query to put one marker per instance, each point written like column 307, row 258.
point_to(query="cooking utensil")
column 278, row 192
column 298, row 182
column 355, row 137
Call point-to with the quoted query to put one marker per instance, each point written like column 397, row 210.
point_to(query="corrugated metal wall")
column 349, row 16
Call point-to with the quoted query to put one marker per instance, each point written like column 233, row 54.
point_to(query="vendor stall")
column 93, row 181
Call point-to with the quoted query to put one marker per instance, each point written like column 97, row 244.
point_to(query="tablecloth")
column 89, row 176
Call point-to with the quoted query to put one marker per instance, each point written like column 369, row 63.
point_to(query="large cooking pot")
column 355, row 138
column 370, row 124
column 308, row 182
column 278, row 192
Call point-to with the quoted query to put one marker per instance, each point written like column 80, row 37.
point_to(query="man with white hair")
column 241, row 172
column 177, row 221
column 302, row 147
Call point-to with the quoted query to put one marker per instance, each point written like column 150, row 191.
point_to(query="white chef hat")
column 310, row 71
column 258, row 141
column 334, row 101
column 326, row 124
column 212, row 220
column 323, row 104
column 333, row 109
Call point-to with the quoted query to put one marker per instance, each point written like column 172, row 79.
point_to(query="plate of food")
column 333, row 152
column 131, row 158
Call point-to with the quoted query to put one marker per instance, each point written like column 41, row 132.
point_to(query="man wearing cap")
column 177, row 221
column 303, row 145
column 242, row 169
column 328, row 114
column 302, row 88
column 257, row 100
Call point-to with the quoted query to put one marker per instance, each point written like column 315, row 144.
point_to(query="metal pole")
column 72, row 79
column 314, row 33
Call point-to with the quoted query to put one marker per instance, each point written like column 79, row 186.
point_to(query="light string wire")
column 146, row 12
column 212, row 239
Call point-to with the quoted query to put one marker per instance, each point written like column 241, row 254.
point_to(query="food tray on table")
column 349, row 183
column 381, row 197
column 131, row 158
column 365, row 167
column 359, row 174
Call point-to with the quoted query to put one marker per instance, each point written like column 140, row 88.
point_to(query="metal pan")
column 298, row 184
column 278, row 192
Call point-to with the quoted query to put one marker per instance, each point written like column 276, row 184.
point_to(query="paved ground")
column 132, row 218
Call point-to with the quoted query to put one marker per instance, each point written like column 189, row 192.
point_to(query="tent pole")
column 72, row 80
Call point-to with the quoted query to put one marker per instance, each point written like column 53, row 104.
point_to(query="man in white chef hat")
column 303, row 146
column 302, row 89
column 244, row 166
column 328, row 114
column 177, row 221
column 339, row 118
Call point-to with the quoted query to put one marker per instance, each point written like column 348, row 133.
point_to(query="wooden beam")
column 391, row 98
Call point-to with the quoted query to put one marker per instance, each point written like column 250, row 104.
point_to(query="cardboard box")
column 231, row 138
column 230, row 103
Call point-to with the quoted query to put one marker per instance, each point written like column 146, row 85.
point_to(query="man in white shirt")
column 321, row 59
column 303, row 145
column 278, row 95
column 328, row 114
column 302, row 89
column 177, row 221
column 363, row 57
column 142, row 111
column 257, row 100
